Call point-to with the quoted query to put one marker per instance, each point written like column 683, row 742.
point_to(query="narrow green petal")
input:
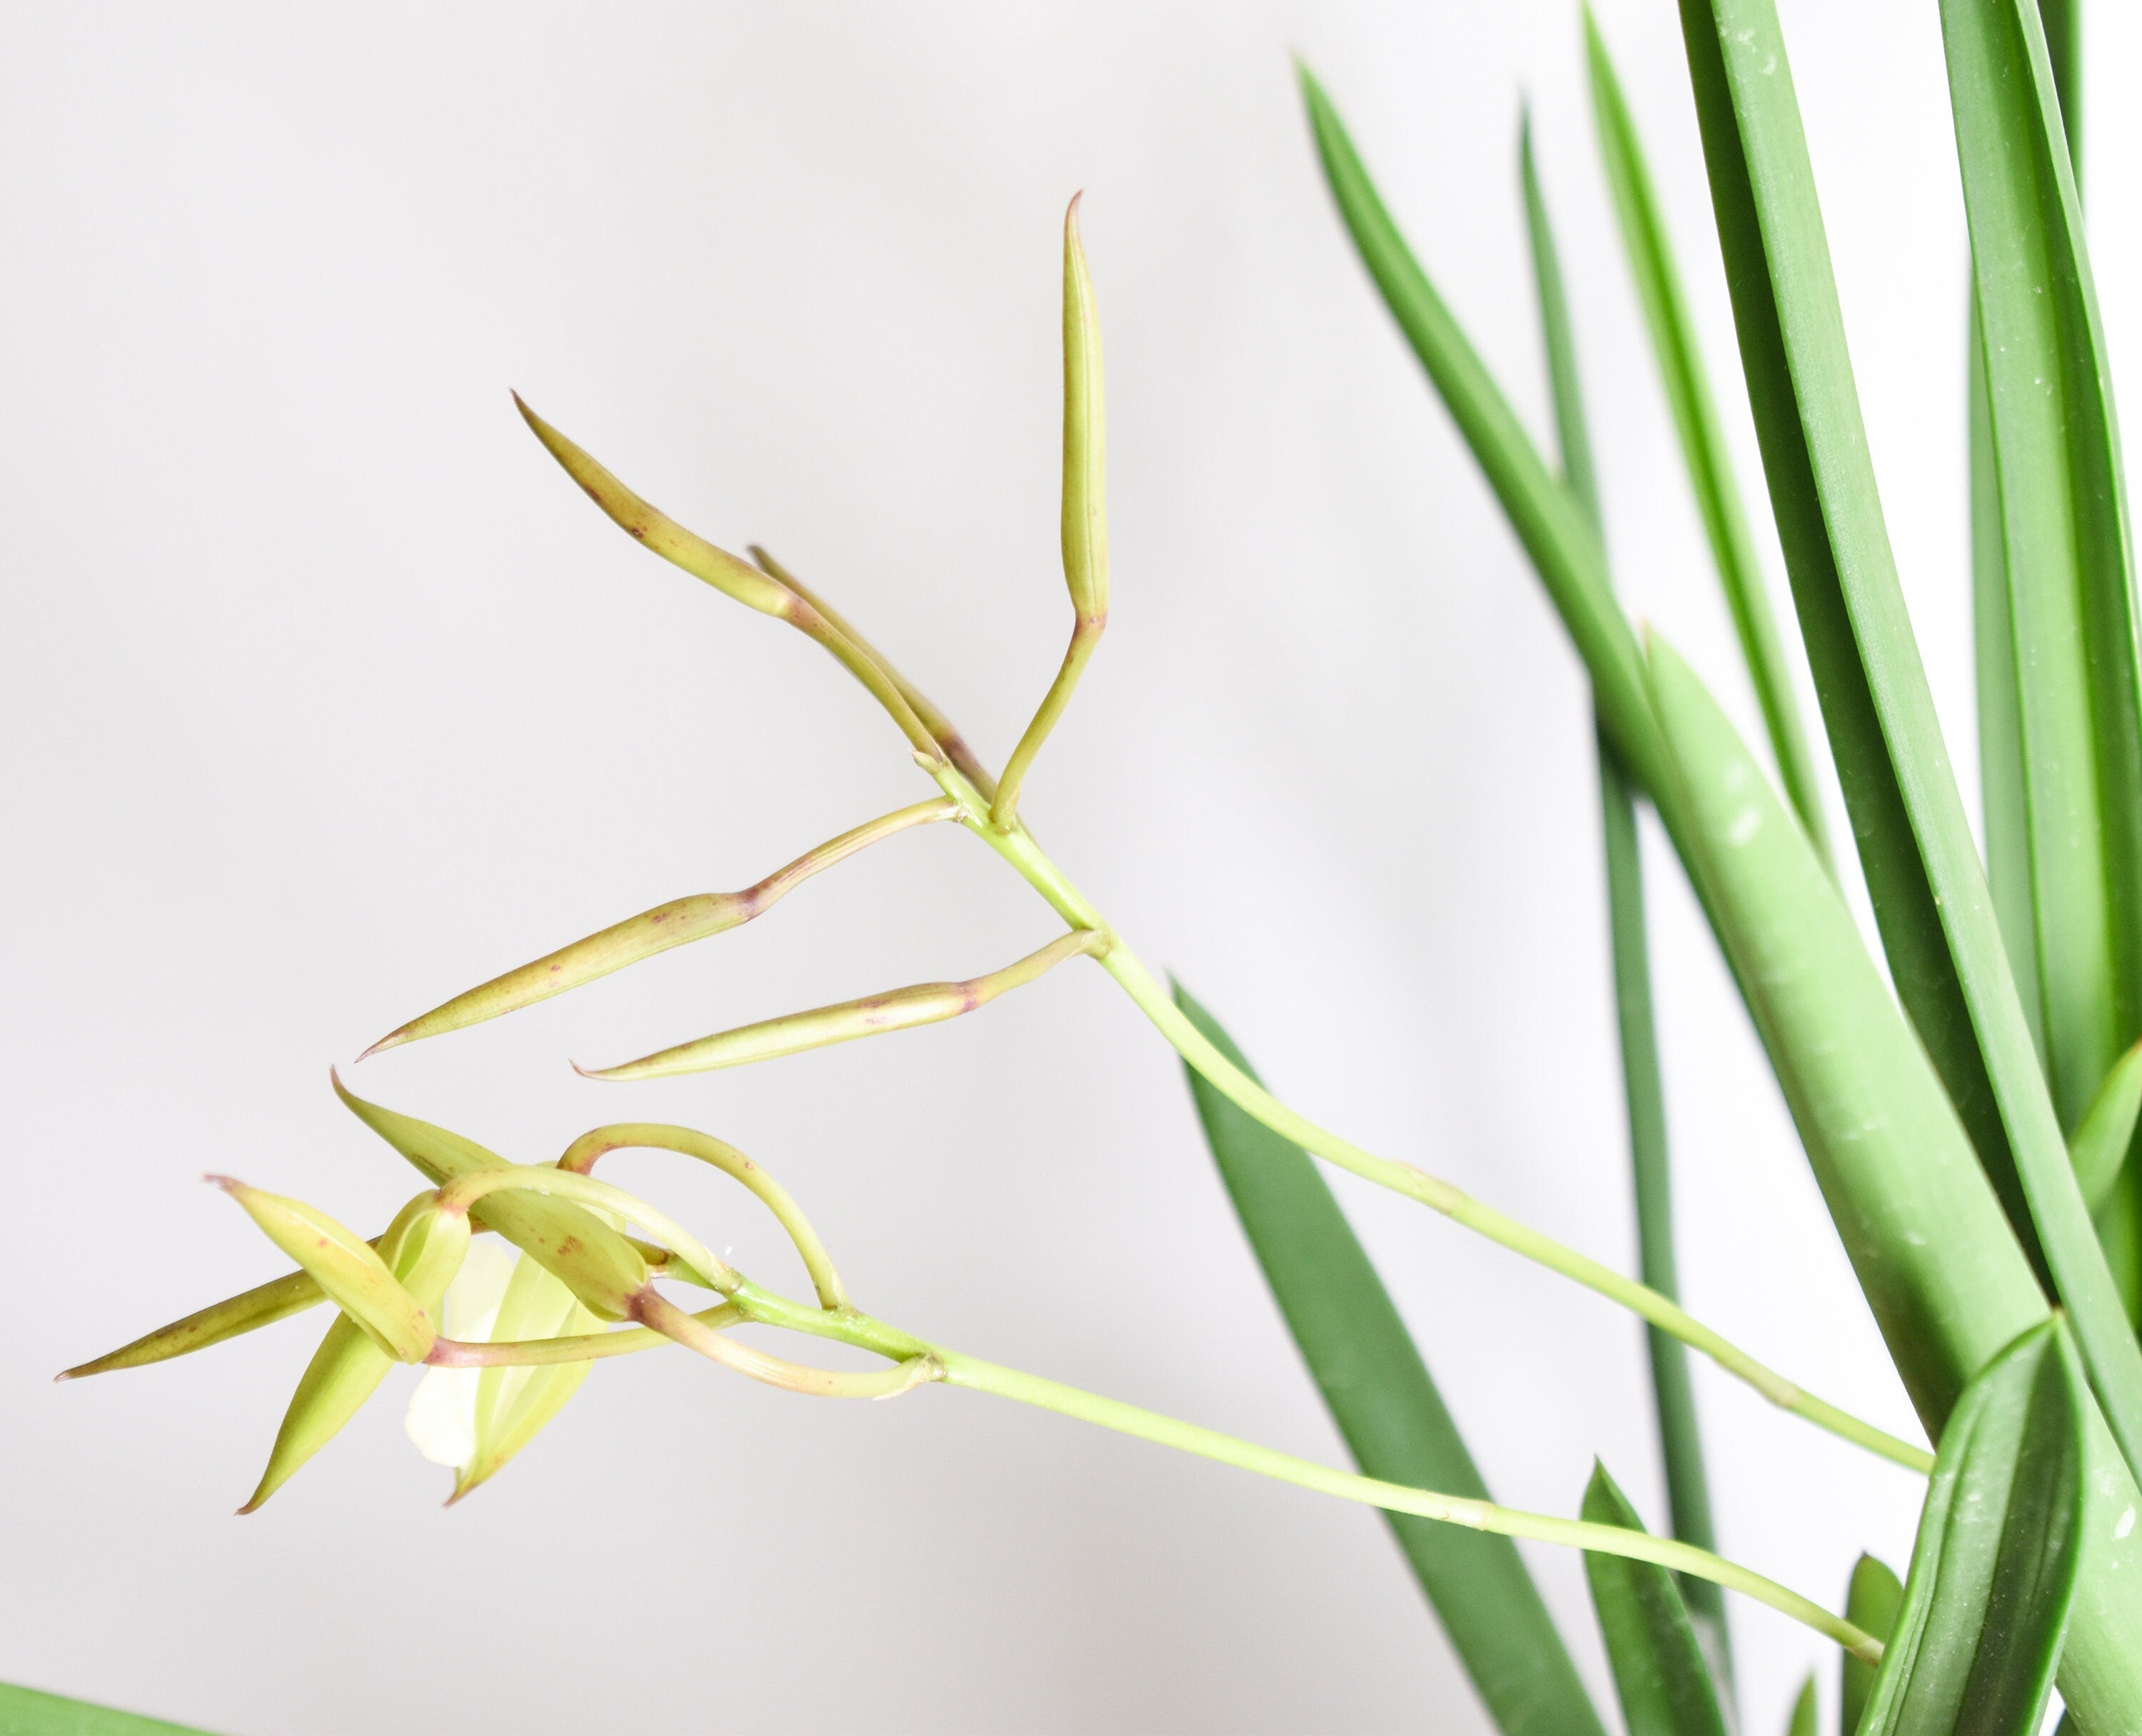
column 603, row 1268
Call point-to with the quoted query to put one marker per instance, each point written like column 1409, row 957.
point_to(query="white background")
column 325, row 696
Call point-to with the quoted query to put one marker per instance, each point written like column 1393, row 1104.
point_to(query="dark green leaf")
column 25, row 1712
column 1871, row 1606
column 1687, row 1487
column 1929, row 893
column 1380, row 1394
column 1993, row 1570
column 1702, row 439
column 1659, row 1669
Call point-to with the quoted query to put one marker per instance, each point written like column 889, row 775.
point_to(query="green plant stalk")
column 750, row 1303
column 1151, row 997
column 1688, row 1493
column 1085, row 640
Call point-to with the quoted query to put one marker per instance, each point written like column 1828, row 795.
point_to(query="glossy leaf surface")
column 1993, row 1570
column 1930, row 896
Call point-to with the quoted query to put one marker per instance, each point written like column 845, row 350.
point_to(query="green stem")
column 1085, row 637
column 1018, row 848
column 1483, row 1516
column 750, row 1303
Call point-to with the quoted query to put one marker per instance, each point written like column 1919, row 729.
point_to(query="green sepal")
column 597, row 1264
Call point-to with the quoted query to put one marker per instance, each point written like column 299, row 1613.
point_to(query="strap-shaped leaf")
column 1563, row 546
column 1380, row 1394
column 1871, row 1604
column 598, row 1265
column 1659, row 1669
column 2052, row 504
column 1922, row 866
column 1993, row 1570
column 1948, row 1284
column 26, row 1712
column 1702, row 439
column 2064, row 531
column 1688, row 1491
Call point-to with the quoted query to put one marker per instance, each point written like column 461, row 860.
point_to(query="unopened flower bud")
column 1085, row 491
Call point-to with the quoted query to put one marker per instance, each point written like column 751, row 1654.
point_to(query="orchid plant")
column 1968, row 1114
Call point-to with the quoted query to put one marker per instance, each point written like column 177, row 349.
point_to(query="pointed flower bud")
column 899, row 1009
column 354, row 1277
column 661, row 533
column 677, row 923
column 1085, row 491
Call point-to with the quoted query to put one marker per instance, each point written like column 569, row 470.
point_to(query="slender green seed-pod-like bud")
column 1085, row 489
column 677, row 923
column 354, row 1277
column 898, row 1009
column 664, row 535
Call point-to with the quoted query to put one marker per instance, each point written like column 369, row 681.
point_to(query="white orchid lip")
column 442, row 1411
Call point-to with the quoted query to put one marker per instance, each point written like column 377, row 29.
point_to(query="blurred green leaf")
column 1929, row 892
column 1380, row 1394
column 26, row 1712
column 1871, row 1604
column 1644, row 1092
column 1702, row 439
column 1803, row 1711
column 1659, row 1667
column 1993, row 1571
